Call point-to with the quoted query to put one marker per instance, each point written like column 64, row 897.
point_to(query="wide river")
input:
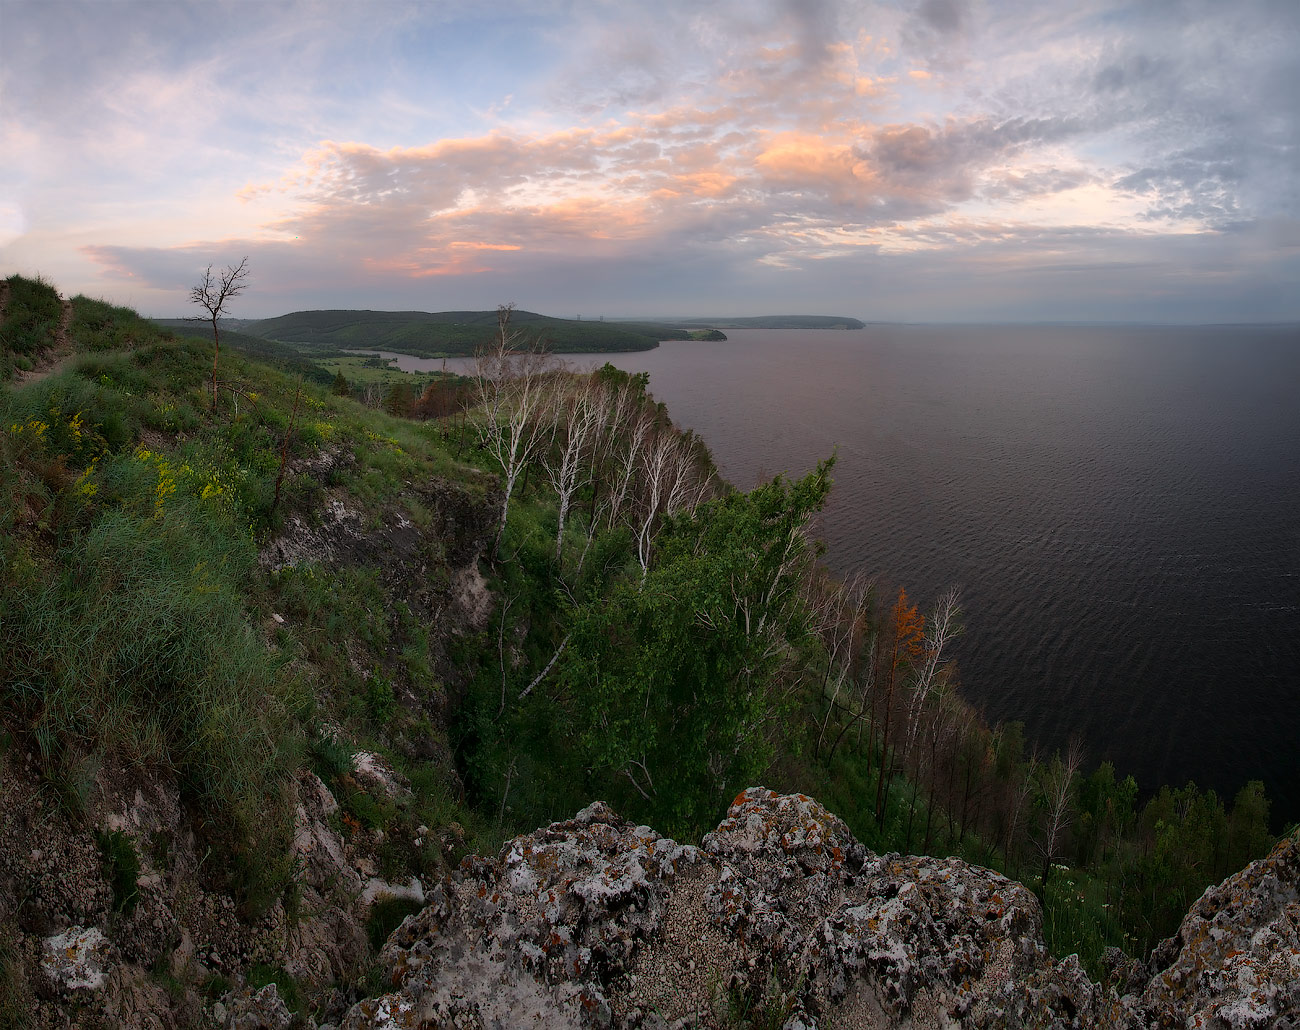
column 1120, row 508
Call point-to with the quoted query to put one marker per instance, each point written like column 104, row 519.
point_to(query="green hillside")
column 273, row 352
column 773, row 322
column 439, row 333
column 32, row 312
column 244, row 598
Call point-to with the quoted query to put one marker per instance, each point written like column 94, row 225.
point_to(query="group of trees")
column 889, row 701
column 709, row 650
column 595, row 433
column 681, row 681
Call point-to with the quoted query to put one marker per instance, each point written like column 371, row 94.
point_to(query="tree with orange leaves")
column 908, row 630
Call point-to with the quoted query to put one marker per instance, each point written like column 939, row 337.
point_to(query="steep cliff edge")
column 781, row 918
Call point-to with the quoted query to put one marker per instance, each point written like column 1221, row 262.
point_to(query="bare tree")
column 511, row 380
column 941, row 627
column 630, row 425
column 668, row 485
column 844, row 611
column 577, row 412
column 212, row 294
column 1056, row 778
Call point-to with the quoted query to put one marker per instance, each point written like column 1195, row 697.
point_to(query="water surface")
column 1120, row 507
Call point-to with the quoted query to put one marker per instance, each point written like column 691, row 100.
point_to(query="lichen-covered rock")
column 77, row 961
column 534, row 935
column 378, row 777
column 1235, row 961
column 252, row 1009
column 779, row 912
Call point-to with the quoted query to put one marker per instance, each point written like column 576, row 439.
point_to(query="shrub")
column 121, row 866
column 386, row 915
column 31, row 321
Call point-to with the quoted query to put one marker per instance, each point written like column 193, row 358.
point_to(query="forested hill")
column 772, row 322
column 438, row 333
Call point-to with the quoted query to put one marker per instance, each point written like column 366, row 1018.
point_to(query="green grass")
column 360, row 370
column 122, row 867
column 1078, row 919
column 285, row 985
column 124, row 625
column 278, row 355
column 31, row 321
column 98, row 326
column 386, row 915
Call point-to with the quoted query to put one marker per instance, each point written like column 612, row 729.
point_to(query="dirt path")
column 57, row 356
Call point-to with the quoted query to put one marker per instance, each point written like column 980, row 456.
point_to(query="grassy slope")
column 433, row 334
column 30, row 322
column 135, row 619
column 272, row 352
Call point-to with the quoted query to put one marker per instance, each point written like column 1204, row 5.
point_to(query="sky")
column 921, row 160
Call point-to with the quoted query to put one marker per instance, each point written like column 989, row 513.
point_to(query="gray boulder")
column 780, row 914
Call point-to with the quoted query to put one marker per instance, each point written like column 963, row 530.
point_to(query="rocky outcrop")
column 781, row 918
column 1235, row 961
column 778, row 918
column 81, row 947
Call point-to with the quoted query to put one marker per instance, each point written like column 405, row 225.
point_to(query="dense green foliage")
column 666, row 643
column 438, row 333
column 31, row 320
column 675, row 681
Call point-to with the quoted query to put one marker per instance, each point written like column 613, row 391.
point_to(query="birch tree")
column 631, row 426
column 908, row 630
column 845, row 630
column 576, row 417
column 684, row 678
column 511, row 380
column 940, row 628
column 668, row 485
column 1055, row 783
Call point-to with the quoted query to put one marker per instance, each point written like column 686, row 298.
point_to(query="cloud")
column 741, row 146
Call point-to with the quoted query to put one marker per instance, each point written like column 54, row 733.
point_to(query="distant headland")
column 434, row 334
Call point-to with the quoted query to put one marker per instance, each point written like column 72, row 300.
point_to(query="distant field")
column 360, row 370
column 451, row 333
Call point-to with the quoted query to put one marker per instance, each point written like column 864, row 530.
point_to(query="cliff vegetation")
column 271, row 667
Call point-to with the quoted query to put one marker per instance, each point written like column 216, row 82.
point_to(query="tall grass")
column 97, row 326
column 123, row 587
column 31, row 320
column 134, row 638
